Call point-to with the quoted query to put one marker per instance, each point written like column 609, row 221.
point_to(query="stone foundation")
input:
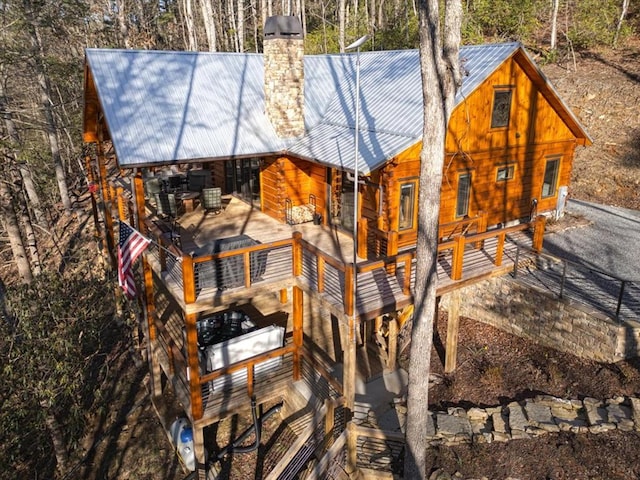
column 562, row 324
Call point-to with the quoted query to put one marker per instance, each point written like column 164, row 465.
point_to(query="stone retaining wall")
column 562, row 324
column 531, row 418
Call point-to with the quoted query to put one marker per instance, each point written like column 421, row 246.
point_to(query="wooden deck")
column 326, row 256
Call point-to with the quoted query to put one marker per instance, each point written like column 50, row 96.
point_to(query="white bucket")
column 182, row 437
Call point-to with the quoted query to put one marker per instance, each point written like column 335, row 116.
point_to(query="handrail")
column 581, row 267
column 247, row 363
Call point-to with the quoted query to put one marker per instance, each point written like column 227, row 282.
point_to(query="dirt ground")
column 603, row 89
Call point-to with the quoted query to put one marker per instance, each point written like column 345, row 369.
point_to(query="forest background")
column 61, row 337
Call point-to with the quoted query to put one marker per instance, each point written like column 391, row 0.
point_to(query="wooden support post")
column 393, row 343
column 329, row 418
column 453, row 323
column 349, row 366
column 500, row 248
column 105, row 205
column 298, row 311
column 122, row 208
column 138, row 201
column 352, row 449
column 198, row 450
column 193, row 366
column 457, row 260
column 363, row 233
column 538, row 232
column 188, row 279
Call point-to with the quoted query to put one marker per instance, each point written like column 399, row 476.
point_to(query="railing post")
column 620, row 299
column 296, row 251
column 538, row 232
column 392, row 251
column 482, row 227
column 564, row 277
column 193, row 365
column 188, row 279
column 246, row 257
column 349, row 275
column 457, row 259
column 500, row 248
column 406, row 283
column 320, row 272
column 363, row 234
column 298, row 305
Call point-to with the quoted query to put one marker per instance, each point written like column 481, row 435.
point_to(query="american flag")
column 130, row 246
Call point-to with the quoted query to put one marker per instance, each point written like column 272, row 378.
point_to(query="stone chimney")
column 284, row 75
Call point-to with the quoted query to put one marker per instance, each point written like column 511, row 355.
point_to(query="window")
column 407, row 209
column 550, row 177
column 464, row 191
column 501, row 108
column 505, row 173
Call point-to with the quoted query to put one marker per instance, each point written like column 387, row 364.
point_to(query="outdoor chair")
column 169, row 208
column 152, row 187
column 211, row 199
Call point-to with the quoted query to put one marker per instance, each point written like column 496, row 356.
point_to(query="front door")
column 342, row 202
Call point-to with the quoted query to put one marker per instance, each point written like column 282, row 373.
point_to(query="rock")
column 517, row 417
column 635, row 409
column 596, row 415
column 477, row 414
column 449, row 425
column 440, row 475
column 499, row 422
column 540, row 416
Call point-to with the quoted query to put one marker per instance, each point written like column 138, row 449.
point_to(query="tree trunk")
column 438, row 74
column 25, row 172
column 623, row 14
column 554, row 23
column 57, row 438
column 209, row 24
column 342, row 13
column 240, row 31
column 123, row 24
column 189, row 23
column 10, row 225
column 50, row 123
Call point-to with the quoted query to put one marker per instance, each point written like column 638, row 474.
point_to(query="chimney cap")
column 281, row 26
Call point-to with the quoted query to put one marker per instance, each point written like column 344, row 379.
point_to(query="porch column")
column 193, row 366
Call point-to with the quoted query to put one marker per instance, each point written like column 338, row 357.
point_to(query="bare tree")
column 623, row 14
column 11, row 226
column 209, row 24
column 342, row 14
column 554, row 23
column 440, row 73
column 240, row 30
column 46, row 101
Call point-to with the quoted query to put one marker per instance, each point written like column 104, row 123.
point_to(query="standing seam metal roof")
column 166, row 107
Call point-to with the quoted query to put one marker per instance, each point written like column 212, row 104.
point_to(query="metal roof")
column 163, row 107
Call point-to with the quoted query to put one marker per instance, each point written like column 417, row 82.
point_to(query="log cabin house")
column 275, row 133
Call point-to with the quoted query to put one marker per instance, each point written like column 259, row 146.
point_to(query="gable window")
column 501, row 108
column 464, row 192
column 407, row 208
column 550, row 177
column 505, row 173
